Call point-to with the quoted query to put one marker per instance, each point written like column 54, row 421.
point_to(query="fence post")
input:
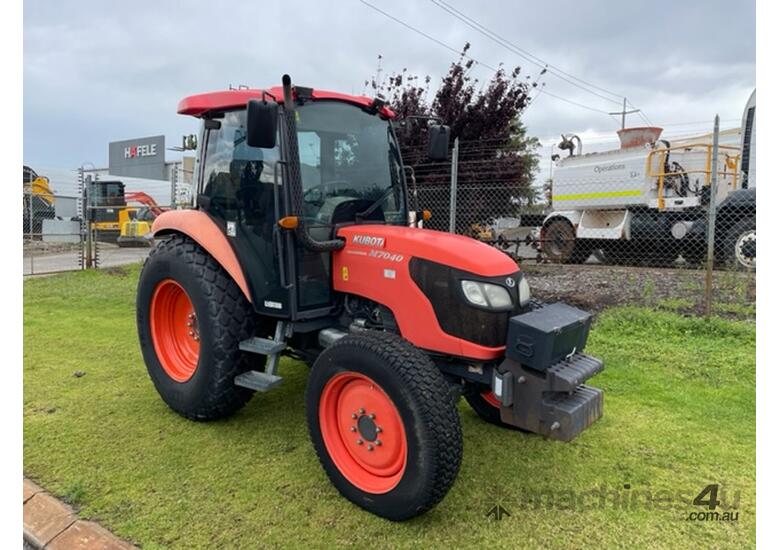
column 711, row 211
column 31, row 213
column 88, row 213
column 454, row 185
column 174, row 176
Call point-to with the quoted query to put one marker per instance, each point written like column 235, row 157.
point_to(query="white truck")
column 646, row 203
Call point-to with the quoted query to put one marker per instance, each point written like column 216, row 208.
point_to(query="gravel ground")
column 596, row 287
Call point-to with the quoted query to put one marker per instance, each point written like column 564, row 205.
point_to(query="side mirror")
column 438, row 142
column 262, row 120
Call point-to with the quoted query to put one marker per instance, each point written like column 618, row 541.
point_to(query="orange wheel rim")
column 174, row 328
column 490, row 397
column 363, row 432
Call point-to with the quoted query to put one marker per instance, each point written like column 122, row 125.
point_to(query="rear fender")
column 198, row 226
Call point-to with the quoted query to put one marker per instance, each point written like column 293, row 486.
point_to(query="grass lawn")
column 679, row 415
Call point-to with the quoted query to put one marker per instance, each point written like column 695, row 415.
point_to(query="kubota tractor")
column 302, row 244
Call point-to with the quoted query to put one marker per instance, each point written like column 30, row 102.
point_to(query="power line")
column 450, row 48
column 641, row 114
column 500, row 40
column 545, row 92
column 428, row 36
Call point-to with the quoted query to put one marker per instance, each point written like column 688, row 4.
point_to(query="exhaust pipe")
column 293, row 169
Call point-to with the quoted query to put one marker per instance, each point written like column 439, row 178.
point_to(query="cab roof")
column 224, row 100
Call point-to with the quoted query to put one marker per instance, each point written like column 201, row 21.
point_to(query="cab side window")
column 237, row 179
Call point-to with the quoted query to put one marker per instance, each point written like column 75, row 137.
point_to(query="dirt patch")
column 41, row 247
column 115, row 271
column 596, row 287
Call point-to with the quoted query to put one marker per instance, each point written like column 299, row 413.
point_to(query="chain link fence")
column 638, row 225
column 673, row 223
column 86, row 218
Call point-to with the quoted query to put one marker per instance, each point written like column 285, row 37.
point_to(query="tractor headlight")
column 486, row 295
column 523, row 292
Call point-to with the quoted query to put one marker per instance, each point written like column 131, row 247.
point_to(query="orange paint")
column 381, row 273
column 203, row 230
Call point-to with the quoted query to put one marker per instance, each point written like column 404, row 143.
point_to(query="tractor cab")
column 336, row 163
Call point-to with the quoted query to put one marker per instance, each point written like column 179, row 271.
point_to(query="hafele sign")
column 147, row 150
column 138, row 158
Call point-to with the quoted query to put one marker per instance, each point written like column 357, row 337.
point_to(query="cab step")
column 267, row 379
column 258, row 381
column 262, row 346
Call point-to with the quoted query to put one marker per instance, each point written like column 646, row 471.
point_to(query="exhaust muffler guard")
column 541, row 382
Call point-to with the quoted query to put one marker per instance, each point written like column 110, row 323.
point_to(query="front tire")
column 384, row 424
column 191, row 316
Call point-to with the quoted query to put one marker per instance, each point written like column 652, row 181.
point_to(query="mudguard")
column 198, row 226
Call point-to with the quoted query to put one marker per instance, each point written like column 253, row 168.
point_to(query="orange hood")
column 456, row 251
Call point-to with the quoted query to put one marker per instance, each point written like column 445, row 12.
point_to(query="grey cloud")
column 96, row 71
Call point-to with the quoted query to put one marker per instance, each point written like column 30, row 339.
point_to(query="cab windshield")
column 350, row 165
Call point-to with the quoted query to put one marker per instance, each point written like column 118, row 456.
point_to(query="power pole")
column 378, row 70
column 623, row 114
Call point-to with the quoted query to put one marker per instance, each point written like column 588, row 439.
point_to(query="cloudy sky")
column 97, row 71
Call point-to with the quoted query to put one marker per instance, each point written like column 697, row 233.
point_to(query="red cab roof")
column 198, row 105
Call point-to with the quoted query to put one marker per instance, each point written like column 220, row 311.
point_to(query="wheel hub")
column 367, row 427
column 745, row 249
column 192, row 326
column 174, row 328
column 363, row 432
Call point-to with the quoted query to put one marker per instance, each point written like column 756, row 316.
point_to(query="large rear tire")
column 191, row 316
column 384, row 424
column 561, row 245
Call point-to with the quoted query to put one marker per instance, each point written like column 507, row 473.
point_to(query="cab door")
column 239, row 190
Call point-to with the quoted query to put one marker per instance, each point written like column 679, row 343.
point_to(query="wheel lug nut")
column 372, row 416
column 361, row 410
column 353, row 415
column 378, row 443
column 192, row 333
column 370, row 447
column 352, row 429
column 189, row 323
column 379, row 429
column 359, row 441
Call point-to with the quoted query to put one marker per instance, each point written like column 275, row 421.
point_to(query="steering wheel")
column 322, row 188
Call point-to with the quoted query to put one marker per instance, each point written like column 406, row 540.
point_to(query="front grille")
column 457, row 318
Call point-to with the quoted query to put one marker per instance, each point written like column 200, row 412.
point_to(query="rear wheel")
column 739, row 249
column 560, row 243
column 191, row 316
column 384, row 424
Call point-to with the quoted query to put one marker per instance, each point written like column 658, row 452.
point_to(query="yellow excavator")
column 114, row 221
column 37, row 203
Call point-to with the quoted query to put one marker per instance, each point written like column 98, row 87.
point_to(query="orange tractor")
column 302, row 244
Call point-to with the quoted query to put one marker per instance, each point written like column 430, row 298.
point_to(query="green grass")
column 679, row 415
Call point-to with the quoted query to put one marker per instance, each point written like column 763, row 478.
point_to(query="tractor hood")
column 404, row 243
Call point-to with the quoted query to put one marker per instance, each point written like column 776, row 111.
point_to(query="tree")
column 497, row 159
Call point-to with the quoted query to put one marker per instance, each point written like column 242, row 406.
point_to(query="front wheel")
column 384, row 424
